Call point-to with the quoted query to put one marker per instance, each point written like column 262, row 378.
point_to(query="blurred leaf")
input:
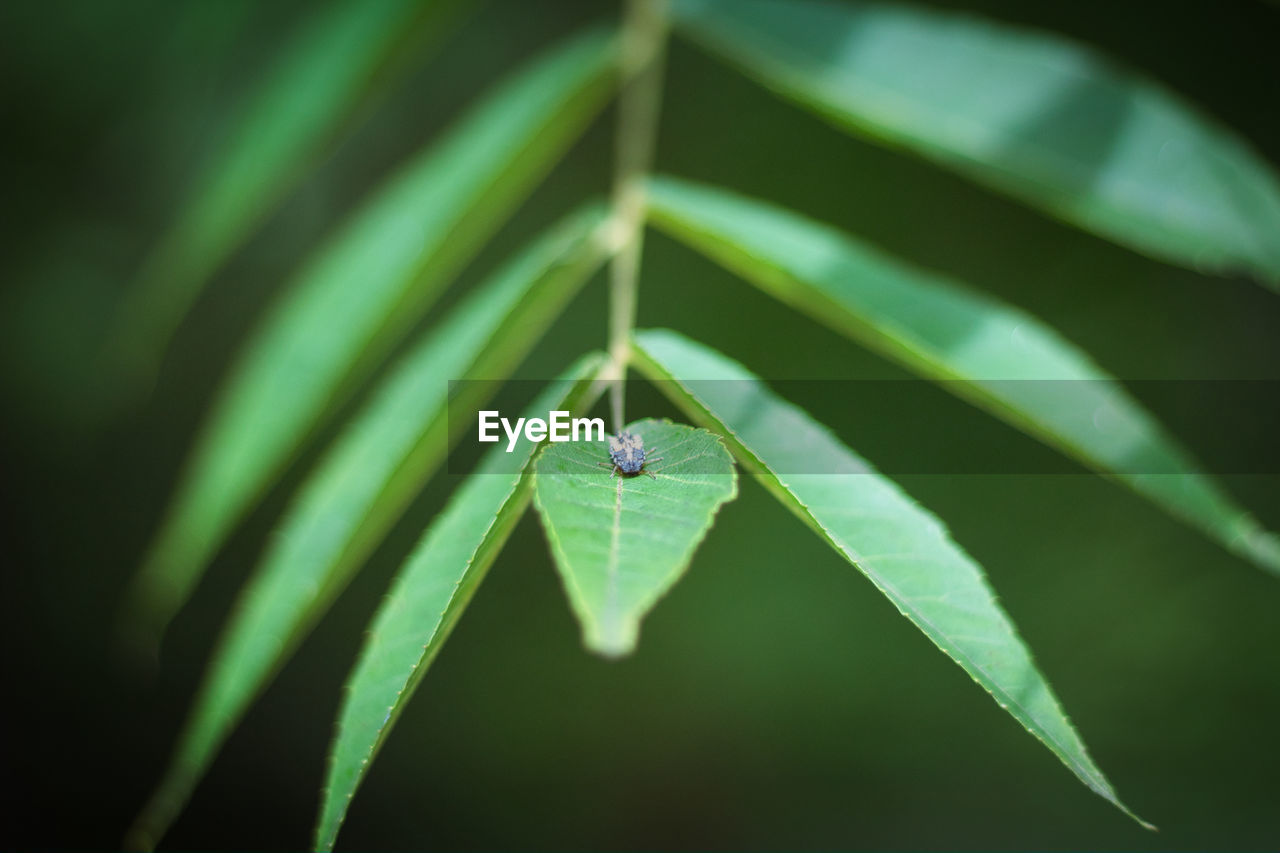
column 902, row 548
column 999, row 358
column 328, row 67
column 428, row 596
column 365, row 481
column 1035, row 116
column 621, row 541
column 354, row 301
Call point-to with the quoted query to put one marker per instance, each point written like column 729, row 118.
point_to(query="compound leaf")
column 621, row 541
column 1035, row 116
column 428, row 595
column 900, row 547
column 996, row 356
column 354, row 300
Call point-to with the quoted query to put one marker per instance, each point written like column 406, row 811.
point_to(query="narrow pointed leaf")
column 1001, row 359
column 364, row 482
column 427, row 597
column 621, row 541
column 354, row 301
column 314, row 86
column 902, row 548
column 1038, row 117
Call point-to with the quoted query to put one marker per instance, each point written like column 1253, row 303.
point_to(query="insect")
column 627, row 455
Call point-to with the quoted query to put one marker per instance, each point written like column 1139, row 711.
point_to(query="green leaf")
column 621, row 541
column 328, row 67
column 365, row 481
column 902, row 548
column 1031, row 115
column 354, row 301
column 429, row 595
column 997, row 357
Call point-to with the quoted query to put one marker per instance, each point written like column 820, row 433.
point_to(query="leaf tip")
column 1262, row 547
column 149, row 826
column 138, row 839
column 1147, row 825
column 612, row 643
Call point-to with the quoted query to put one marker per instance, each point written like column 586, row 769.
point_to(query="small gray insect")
column 627, row 455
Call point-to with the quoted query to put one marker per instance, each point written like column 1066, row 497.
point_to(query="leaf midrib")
column 615, row 548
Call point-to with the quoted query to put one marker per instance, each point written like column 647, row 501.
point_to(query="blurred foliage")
column 777, row 700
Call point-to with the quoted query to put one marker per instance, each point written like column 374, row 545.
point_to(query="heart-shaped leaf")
column 621, row 540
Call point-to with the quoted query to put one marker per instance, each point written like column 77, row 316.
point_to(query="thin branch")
column 644, row 39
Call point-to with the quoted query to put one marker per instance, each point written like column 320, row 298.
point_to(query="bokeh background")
column 776, row 700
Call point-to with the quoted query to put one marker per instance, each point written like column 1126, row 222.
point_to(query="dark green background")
column 776, row 701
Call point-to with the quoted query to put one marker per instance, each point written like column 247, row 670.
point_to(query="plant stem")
column 644, row 39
